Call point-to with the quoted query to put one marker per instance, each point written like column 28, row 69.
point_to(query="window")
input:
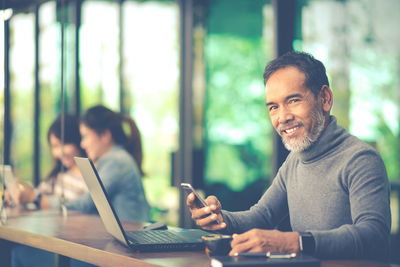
column 49, row 78
column 22, row 93
column 238, row 135
column 99, row 54
column 2, row 88
column 151, row 83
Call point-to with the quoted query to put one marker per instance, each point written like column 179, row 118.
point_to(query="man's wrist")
column 291, row 242
column 306, row 243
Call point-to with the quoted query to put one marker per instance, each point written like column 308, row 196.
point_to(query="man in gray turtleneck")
column 333, row 186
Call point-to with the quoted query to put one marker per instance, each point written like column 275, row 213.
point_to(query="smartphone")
column 197, row 199
column 280, row 255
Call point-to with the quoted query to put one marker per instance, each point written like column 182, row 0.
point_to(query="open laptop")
column 173, row 239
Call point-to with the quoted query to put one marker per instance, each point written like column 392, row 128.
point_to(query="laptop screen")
column 100, row 198
column 141, row 240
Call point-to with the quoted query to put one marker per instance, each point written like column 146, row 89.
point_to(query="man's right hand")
column 208, row 216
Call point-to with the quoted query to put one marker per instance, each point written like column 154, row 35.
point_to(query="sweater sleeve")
column 368, row 236
column 83, row 204
column 270, row 210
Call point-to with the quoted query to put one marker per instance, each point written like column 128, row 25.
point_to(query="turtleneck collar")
column 330, row 138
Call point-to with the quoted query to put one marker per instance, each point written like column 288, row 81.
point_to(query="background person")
column 63, row 181
column 118, row 159
column 333, row 186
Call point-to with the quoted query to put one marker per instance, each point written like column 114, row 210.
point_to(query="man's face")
column 293, row 109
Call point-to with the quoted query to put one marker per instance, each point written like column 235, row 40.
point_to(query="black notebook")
column 173, row 239
column 298, row 261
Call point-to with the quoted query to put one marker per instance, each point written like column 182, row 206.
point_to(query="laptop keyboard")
column 154, row 237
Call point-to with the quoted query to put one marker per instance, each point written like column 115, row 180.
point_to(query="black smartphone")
column 198, row 200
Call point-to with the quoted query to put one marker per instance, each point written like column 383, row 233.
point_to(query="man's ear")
column 326, row 98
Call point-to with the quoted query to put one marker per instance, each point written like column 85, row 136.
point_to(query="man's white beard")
column 295, row 145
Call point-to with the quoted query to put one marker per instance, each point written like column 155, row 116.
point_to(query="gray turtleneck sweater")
column 337, row 189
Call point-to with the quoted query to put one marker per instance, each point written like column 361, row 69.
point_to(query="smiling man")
column 295, row 114
column 333, row 186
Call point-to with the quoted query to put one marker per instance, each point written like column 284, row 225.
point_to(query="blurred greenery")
column 387, row 144
column 239, row 143
column 237, row 134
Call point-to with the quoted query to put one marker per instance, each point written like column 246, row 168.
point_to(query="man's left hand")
column 257, row 240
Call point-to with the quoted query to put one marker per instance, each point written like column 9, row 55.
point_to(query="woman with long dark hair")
column 64, row 180
column 118, row 158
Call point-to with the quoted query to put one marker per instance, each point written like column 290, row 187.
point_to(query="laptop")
column 172, row 239
column 10, row 182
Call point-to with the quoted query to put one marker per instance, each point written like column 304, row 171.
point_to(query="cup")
column 217, row 244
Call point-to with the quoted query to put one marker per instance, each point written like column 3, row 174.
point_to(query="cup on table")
column 217, row 244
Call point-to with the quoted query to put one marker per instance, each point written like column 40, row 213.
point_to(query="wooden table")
column 83, row 237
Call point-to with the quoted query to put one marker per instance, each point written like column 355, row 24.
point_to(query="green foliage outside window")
column 22, row 94
column 238, row 135
column 239, row 142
